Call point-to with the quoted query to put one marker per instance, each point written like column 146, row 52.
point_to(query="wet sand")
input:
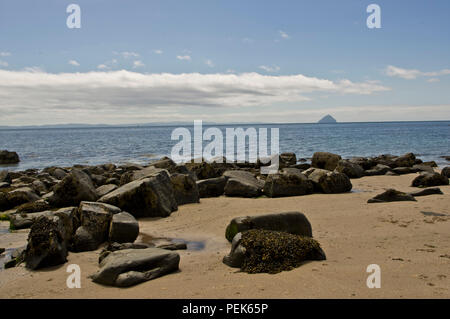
column 410, row 241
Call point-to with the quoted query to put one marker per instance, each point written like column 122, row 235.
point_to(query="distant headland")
column 327, row 119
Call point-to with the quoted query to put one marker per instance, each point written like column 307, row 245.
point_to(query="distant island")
column 327, row 119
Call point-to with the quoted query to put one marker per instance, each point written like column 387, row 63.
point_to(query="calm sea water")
column 39, row 148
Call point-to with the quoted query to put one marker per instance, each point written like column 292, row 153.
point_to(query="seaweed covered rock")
column 289, row 222
column 427, row 191
column 288, row 159
column 426, row 179
column 148, row 197
column 203, row 170
column 74, row 188
column 329, row 182
column 185, row 189
column 291, row 182
column 446, row 172
column 407, row 160
column 17, row 197
column 391, row 195
column 5, row 177
column 47, row 245
column 211, row 187
column 325, row 160
column 265, row 251
column 128, row 267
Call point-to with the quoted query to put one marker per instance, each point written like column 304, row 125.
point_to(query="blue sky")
column 241, row 61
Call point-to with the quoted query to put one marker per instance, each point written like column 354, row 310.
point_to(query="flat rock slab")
column 391, row 195
column 128, row 267
column 427, row 191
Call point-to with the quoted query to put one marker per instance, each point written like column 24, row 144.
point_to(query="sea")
column 42, row 147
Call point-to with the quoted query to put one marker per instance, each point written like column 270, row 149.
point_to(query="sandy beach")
column 410, row 241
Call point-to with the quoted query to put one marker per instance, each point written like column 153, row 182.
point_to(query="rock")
column 291, row 182
column 426, row 179
column 7, row 157
column 39, row 187
column 325, row 160
column 379, row 169
column 95, row 219
column 404, row 170
column 47, row 245
column 148, row 197
column 211, row 187
column 422, row 168
column 135, row 175
column 124, row 268
column 164, row 163
column 33, row 207
column 430, row 163
column 73, row 189
column 17, row 197
column 301, row 166
column 288, row 159
column 364, row 162
column 5, row 177
column 242, row 184
column 391, row 195
column 407, row 160
column 105, row 189
column 427, row 191
column 446, row 157
column 185, row 189
column 203, row 170
column 289, row 222
column 329, row 182
column 386, row 159
column 4, row 185
column 259, row 250
column 350, row 169
column 391, row 173
column 446, row 171
column 112, row 180
column 2, row 250
column 327, row 119
column 124, row 228
column 17, row 257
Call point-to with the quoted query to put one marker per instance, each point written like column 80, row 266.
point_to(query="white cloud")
column 158, row 51
column 432, row 80
column 269, row 68
column 284, row 35
column 74, row 63
column 184, row 57
column 3, row 63
column 127, row 54
column 138, row 64
column 105, row 96
column 102, row 67
column 411, row 74
column 4, row 54
column 209, row 63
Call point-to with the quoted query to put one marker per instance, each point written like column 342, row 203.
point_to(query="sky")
column 143, row 61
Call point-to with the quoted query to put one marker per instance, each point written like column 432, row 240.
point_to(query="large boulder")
column 203, row 170
column 325, row 160
column 242, row 184
column 74, row 188
column 258, row 251
column 135, row 175
column 291, row 182
column 148, row 197
column 289, row 222
column 128, row 267
column 211, row 187
column 185, row 189
column 47, row 245
column 352, row 170
column 379, row 169
column 407, row 160
column 364, row 162
column 446, row 171
column 95, row 219
column 426, row 179
column 329, row 182
column 7, row 157
column 288, row 159
column 124, row 228
column 5, row 177
column 17, row 197
column 391, row 195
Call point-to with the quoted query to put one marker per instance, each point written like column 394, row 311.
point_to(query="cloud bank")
column 25, row 94
column 411, row 74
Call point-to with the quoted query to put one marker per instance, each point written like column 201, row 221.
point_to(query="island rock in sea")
column 327, row 119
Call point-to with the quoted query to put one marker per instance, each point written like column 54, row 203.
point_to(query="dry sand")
column 412, row 249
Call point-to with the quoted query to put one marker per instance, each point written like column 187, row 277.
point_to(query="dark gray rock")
column 288, row 159
column 391, row 195
column 211, row 187
column 17, row 197
column 242, row 184
column 328, row 182
column 105, row 189
column 185, row 189
column 5, row 177
column 7, row 157
column 124, row 268
column 423, row 168
column 74, row 188
column 325, row 160
column 350, row 169
column 148, row 197
column 426, row 179
column 407, row 160
column 237, row 254
column 446, row 171
column 427, row 191
column 378, row 169
column 291, row 182
column 124, row 228
column 364, row 162
column 289, row 222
